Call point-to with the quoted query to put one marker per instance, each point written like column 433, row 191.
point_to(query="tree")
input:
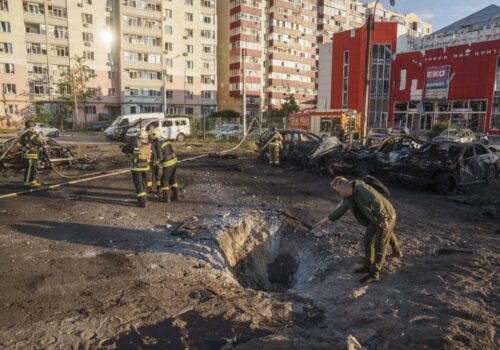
column 289, row 106
column 74, row 87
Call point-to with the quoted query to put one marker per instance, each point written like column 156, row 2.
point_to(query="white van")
column 170, row 129
column 127, row 119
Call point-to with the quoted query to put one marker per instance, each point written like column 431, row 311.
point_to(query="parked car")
column 121, row 131
column 100, row 125
column 229, row 131
column 456, row 135
column 46, row 130
column 296, row 145
column 379, row 155
column 449, row 165
column 127, row 120
column 170, row 129
column 217, row 131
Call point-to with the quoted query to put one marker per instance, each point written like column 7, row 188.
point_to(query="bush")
column 438, row 128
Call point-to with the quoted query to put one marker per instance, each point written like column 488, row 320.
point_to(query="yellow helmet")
column 142, row 134
column 154, row 134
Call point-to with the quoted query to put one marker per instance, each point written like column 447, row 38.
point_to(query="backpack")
column 377, row 185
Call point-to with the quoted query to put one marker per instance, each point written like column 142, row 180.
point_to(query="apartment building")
column 279, row 41
column 144, row 56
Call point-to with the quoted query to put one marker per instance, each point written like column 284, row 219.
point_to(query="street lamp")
column 184, row 54
column 368, row 64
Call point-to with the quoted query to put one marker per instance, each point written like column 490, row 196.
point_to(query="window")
column 111, row 92
column 188, row 16
column 188, row 32
column 7, row 68
column 189, row 48
column 188, row 2
column 87, row 18
column 38, row 89
column 34, row 8
column 4, row 27
column 88, row 2
column 208, row 48
column 189, row 64
column 345, row 80
column 11, row 109
column 6, row 48
column 469, row 152
column 92, row 110
column 9, row 88
column 188, row 95
column 169, row 63
column 189, row 80
column 88, row 55
column 111, row 75
column 168, row 13
column 208, row 64
column 4, row 5
column 63, row 90
column 57, row 12
column 169, row 46
column 169, row 78
column 170, row 94
column 208, row 19
column 379, row 85
column 89, row 37
column 168, row 30
column 189, row 110
column 61, row 51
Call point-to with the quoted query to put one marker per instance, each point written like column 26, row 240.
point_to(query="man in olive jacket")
column 373, row 211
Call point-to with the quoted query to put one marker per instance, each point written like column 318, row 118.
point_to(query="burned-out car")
column 299, row 146
column 449, row 165
column 381, row 154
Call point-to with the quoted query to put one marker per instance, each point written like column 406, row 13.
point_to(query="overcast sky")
column 439, row 13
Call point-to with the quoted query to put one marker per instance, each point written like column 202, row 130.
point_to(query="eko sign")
column 437, row 80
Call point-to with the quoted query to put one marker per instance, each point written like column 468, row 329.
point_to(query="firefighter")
column 275, row 147
column 373, row 210
column 141, row 151
column 168, row 161
column 155, row 174
column 31, row 143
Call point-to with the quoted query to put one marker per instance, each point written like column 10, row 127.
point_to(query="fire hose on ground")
column 100, row 175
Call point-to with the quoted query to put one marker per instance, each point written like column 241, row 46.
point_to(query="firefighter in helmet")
column 168, row 161
column 275, row 147
column 142, row 153
column 31, row 143
column 154, row 176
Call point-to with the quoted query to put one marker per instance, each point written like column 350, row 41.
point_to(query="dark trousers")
column 30, row 171
column 154, row 176
column 168, row 179
column 140, row 179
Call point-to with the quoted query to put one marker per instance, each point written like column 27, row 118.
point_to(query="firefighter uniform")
column 169, row 183
column 154, row 176
column 31, row 144
column 371, row 209
column 274, row 148
column 141, row 157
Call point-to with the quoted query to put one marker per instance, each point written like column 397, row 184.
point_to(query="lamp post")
column 368, row 64
column 165, row 82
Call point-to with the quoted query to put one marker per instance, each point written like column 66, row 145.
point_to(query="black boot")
column 175, row 194
column 142, row 202
column 370, row 278
column 166, row 195
column 363, row 269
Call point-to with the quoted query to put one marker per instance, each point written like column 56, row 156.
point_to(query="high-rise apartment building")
column 280, row 42
column 144, row 56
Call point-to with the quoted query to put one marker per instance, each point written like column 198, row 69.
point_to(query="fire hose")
column 100, row 175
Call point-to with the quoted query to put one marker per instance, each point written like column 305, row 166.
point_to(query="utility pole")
column 368, row 65
column 244, row 54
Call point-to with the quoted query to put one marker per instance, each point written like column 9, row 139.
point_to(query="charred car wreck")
column 449, row 165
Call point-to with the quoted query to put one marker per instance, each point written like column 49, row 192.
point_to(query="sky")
column 439, row 13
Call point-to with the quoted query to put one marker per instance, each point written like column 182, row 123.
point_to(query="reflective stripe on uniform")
column 142, row 194
column 170, row 162
column 165, row 188
column 141, row 169
column 158, row 183
column 165, row 144
column 149, row 183
column 175, row 185
column 30, row 155
column 33, row 136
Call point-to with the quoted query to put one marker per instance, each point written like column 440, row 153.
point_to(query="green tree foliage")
column 74, row 84
column 290, row 106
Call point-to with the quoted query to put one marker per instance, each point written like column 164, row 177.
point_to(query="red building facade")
column 459, row 85
column 348, row 70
